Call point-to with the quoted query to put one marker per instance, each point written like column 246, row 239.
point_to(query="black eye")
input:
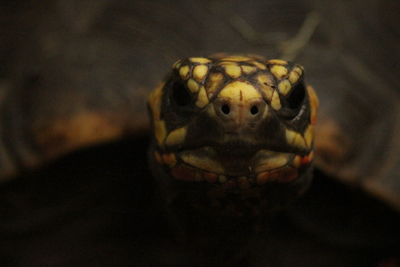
column 254, row 110
column 180, row 94
column 293, row 101
column 296, row 97
column 225, row 109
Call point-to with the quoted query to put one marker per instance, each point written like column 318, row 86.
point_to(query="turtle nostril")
column 254, row 110
column 225, row 109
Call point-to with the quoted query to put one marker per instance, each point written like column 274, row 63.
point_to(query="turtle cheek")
column 298, row 132
column 176, row 137
column 314, row 103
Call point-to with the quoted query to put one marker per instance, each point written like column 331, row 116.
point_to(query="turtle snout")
column 235, row 115
column 238, row 106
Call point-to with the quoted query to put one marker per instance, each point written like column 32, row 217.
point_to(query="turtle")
column 79, row 94
column 211, row 124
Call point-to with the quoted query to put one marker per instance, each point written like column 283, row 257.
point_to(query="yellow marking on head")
column 284, row 87
column 236, row 58
column 314, row 103
column 309, row 135
column 296, row 161
column 277, row 61
column 268, row 161
column 176, row 137
column 295, row 139
column 265, row 82
column 214, row 83
column 184, row 72
column 293, row 77
column 226, row 63
column 299, row 69
column 248, row 69
column 177, row 64
column 279, row 71
column 290, row 136
column 299, row 142
column 275, row 101
column 202, row 99
column 169, row 159
column 270, row 164
column 193, row 86
column 234, row 71
column 311, row 156
column 265, row 114
column 159, row 131
column 239, row 91
column 258, row 65
column 201, row 60
column 199, row 72
column 201, row 162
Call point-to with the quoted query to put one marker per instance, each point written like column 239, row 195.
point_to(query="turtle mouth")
column 234, row 168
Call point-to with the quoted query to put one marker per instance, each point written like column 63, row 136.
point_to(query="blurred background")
column 93, row 207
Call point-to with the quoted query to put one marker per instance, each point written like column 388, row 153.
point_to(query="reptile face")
column 235, row 122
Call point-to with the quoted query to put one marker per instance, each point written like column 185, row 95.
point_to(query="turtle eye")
column 296, row 96
column 180, row 94
column 293, row 101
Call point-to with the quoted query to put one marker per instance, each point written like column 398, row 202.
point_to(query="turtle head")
column 235, row 122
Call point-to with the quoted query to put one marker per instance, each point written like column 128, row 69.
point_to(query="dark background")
column 95, row 207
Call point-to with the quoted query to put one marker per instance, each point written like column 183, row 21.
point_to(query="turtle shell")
column 83, row 79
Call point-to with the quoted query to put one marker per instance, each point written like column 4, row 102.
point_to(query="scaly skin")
column 232, row 135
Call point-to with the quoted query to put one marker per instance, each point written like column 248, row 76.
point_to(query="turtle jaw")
column 201, row 191
column 241, row 172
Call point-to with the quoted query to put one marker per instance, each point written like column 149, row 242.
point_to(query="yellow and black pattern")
column 235, row 120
